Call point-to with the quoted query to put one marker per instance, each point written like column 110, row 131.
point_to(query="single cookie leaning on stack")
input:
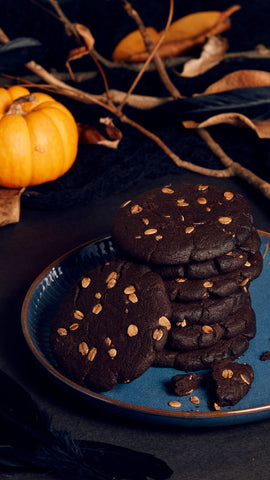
column 203, row 243
column 110, row 325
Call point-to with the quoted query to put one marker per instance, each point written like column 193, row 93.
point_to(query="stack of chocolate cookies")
column 175, row 295
column 202, row 241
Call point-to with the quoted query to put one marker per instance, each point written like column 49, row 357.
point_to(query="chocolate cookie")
column 204, row 358
column 181, row 223
column 231, row 382
column 185, row 290
column 209, row 310
column 225, row 263
column 110, row 325
column 204, row 336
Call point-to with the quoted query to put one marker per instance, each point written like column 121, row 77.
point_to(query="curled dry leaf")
column 10, row 205
column 212, row 54
column 86, row 35
column 239, row 79
column 92, row 136
column 262, row 128
column 183, row 34
column 112, row 131
column 79, row 52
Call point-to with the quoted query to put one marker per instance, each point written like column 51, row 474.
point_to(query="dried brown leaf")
column 261, row 128
column 86, row 35
column 92, row 136
column 212, row 54
column 112, row 131
column 75, row 54
column 89, row 135
column 183, row 34
column 239, row 79
column 10, row 205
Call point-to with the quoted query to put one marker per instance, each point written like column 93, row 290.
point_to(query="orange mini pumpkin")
column 38, row 138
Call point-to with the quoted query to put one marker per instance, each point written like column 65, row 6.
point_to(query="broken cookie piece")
column 184, row 384
column 231, row 382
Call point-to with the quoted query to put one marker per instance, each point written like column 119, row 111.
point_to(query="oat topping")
column 227, row 373
column 132, row 330
column 136, row 209
column 225, row 220
column 112, row 352
column 78, row 315
column 245, row 379
column 74, row 327
column 174, row 403
column 86, row 282
column 129, row 289
column 202, row 200
column 125, row 204
column 167, row 190
column 158, row 334
column 228, row 195
column 189, row 229
column 97, row 308
column 111, row 283
column 133, row 298
column 112, row 276
column 208, row 284
column 150, row 231
column 92, row 353
column 164, row 322
column 62, row 331
column 181, row 202
column 180, row 279
column 83, row 348
column 194, row 399
column 207, row 329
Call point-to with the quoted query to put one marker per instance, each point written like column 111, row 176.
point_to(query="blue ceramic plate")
column 147, row 398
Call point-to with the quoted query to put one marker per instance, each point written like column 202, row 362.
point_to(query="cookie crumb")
column 265, row 356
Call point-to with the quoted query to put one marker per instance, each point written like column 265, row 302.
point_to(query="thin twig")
column 235, row 168
column 153, row 49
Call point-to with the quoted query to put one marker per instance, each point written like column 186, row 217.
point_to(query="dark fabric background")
column 99, row 171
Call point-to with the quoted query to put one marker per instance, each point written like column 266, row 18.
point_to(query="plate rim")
column 101, row 398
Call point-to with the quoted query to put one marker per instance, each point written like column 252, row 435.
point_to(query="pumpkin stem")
column 16, row 106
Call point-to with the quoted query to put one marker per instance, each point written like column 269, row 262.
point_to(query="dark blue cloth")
column 100, row 171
